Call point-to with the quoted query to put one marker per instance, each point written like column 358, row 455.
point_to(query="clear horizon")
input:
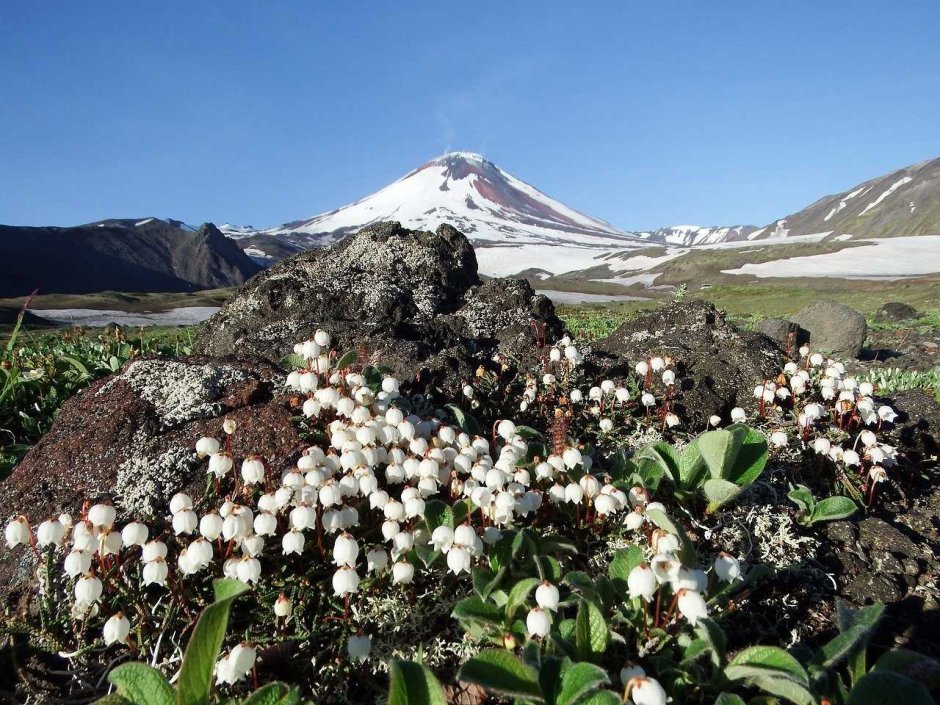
column 640, row 115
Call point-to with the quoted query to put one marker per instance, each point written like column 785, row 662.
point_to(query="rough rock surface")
column 413, row 297
column 778, row 330
column 130, row 437
column 894, row 311
column 833, row 327
column 717, row 366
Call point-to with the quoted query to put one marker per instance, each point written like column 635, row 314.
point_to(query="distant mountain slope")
column 687, row 235
column 123, row 255
column 904, row 202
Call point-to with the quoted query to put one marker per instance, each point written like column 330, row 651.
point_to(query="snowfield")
column 881, row 258
column 96, row 318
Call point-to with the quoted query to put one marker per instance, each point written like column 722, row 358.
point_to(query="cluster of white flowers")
column 825, row 403
column 379, row 470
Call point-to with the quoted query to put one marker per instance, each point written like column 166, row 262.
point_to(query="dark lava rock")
column 833, row 327
column 131, row 436
column 414, row 297
column 917, row 427
column 894, row 312
column 717, row 366
column 779, row 330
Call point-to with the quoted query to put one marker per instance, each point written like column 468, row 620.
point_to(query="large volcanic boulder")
column 833, row 327
column 130, row 438
column 414, row 298
column 717, row 366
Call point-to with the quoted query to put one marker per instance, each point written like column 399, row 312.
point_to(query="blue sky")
column 644, row 114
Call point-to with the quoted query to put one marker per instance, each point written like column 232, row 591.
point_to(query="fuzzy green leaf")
column 273, row 694
column 768, row 659
column 438, row 513
column 502, row 673
column 579, row 681
column 591, row 632
column 833, row 508
column 346, row 360
column 719, row 492
column 803, row 498
column 467, row 423
column 880, row 687
column 195, row 678
column 475, row 609
column 622, row 563
column 142, row 684
column 413, row 684
column 518, row 595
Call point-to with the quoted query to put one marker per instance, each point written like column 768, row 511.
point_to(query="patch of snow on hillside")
column 879, row 258
column 842, row 238
column 891, row 189
column 844, row 201
column 143, row 222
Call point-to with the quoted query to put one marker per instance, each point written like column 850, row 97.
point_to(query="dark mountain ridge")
column 149, row 254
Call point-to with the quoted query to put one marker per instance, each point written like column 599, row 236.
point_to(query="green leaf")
column 579, row 681
column 550, row 675
column 527, row 432
column 474, row 609
column 708, row 630
column 622, row 563
column 346, row 360
column 692, row 467
column 602, row 697
column 113, row 699
column 142, row 684
column 766, row 659
column 591, row 632
column 803, row 498
column 654, row 462
column 729, row 699
column 719, row 492
column 502, row 673
column 467, row 423
column 752, row 456
column 737, row 453
column 833, row 508
column 413, row 684
column 293, row 361
column 195, row 678
column 718, row 450
column 273, row 694
column 784, row 688
column 518, row 596
column 911, row 664
column 438, row 513
column 880, row 687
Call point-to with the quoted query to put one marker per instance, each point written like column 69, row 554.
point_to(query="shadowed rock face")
column 413, row 297
column 717, row 367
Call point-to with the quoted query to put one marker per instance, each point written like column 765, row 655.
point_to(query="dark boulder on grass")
column 833, row 327
column 414, row 298
column 717, row 366
column 896, row 312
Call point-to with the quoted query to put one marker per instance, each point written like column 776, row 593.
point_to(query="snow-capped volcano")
column 489, row 205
